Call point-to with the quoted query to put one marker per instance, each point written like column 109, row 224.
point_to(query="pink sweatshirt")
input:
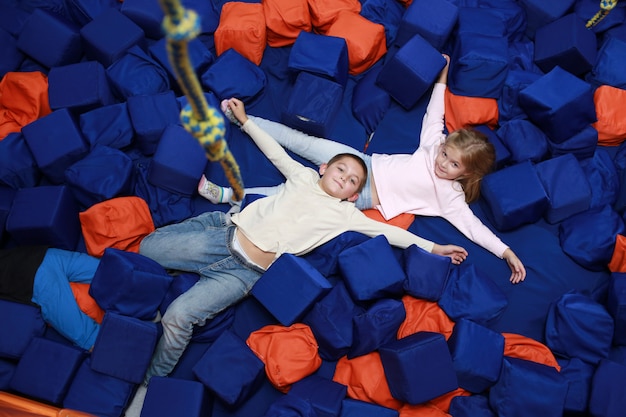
column 406, row 183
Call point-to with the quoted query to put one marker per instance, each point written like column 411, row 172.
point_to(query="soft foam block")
column 560, row 103
column 18, row 168
column 46, row 369
column 566, row 185
column 514, row 196
column 150, row 115
column 376, row 326
column 426, row 351
column 616, row 305
column 50, row 38
column 578, row 374
column 289, row 288
column 242, row 27
column 426, row 273
column 322, row 55
column 330, row 320
column 234, row 75
column 477, row 354
column 608, row 390
column 105, row 45
column 524, row 386
column 472, row 295
column 325, row 395
column 579, row 327
column 146, row 14
column 416, row 63
column 565, row 42
column 24, row 323
column 178, row 162
column 481, row 65
column 124, row 347
column 108, row 126
column 92, row 180
column 433, row 21
column 54, row 223
column 357, row 408
column 230, row 369
column 365, row 39
column 97, row 393
column 130, row 284
column 56, row 143
column 171, row 396
column 369, row 277
column 589, row 237
column 79, row 87
column 313, row 104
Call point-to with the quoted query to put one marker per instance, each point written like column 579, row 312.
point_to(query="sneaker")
column 229, row 113
column 210, row 191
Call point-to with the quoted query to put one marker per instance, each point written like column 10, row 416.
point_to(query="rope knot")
column 184, row 29
column 209, row 132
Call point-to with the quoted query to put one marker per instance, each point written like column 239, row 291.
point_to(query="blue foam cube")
column 289, row 288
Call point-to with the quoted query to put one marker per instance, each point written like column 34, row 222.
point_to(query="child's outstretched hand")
column 454, row 252
column 238, row 109
column 518, row 272
column 443, row 75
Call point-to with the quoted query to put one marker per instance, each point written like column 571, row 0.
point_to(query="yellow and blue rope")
column 605, row 7
column 205, row 123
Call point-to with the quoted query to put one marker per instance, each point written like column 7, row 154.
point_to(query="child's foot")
column 213, row 192
column 229, row 113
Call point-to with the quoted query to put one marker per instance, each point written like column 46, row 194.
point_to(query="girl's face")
column 448, row 165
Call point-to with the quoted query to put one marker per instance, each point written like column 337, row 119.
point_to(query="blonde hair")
column 478, row 156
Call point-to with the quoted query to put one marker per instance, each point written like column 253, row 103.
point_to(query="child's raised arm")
column 267, row 144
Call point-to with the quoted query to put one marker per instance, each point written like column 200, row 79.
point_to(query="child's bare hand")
column 456, row 253
column 518, row 272
column 238, row 109
column 443, row 75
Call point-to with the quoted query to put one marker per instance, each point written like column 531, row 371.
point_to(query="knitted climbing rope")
column 204, row 123
column 605, row 7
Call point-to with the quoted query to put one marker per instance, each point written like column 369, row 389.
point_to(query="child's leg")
column 218, row 194
column 317, row 150
column 221, row 285
column 52, row 292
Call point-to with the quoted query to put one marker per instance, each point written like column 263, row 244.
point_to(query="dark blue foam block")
column 50, row 38
column 56, row 143
column 608, row 389
column 124, row 347
column 129, row 283
column 376, row 326
column 80, row 87
column 23, row 323
column 230, row 369
column 171, row 396
column 289, row 288
column 97, row 393
column 46, row 370
column 18, row 168
column 56, row 223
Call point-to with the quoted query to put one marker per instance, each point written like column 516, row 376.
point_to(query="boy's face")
column 342, row 178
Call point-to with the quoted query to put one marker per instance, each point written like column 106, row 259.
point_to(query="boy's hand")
column 456, row 253
column 238, row 109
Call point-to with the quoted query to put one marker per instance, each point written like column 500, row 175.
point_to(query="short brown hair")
column 357, row 158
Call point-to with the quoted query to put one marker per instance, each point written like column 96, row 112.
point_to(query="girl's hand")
column 518, row 272
column 443, row 75
column 238, row 109
column 456, row 253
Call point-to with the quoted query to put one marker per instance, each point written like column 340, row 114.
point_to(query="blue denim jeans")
column 201, row 244
column 317, row 150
